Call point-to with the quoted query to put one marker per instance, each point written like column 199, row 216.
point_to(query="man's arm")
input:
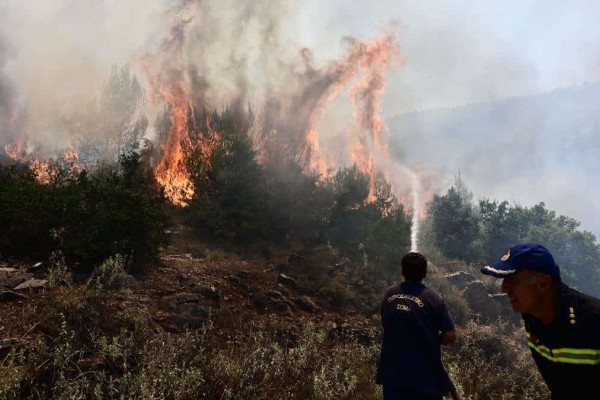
column 447, row 338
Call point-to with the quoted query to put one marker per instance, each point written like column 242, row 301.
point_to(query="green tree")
column 576, row 252
column 299, row 204
column 229, row 201
column 455, row 222
column 388, row 228
column 109, row 212
column 348, row 225
column 115, row 123
column 26, row 212
column 89, row 216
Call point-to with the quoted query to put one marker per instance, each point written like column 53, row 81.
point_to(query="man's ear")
column 544, row 281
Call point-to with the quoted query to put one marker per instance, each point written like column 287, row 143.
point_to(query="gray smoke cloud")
column 280, row 56
column 62, row 55
column 7, row 117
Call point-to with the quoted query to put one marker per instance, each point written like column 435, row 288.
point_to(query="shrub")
column 493, row 362
column 88, row 217
column 134, row 362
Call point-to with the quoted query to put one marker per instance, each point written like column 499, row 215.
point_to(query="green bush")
column 88, row 216
column 493, row 362
column 29, row 212
column 229, row 201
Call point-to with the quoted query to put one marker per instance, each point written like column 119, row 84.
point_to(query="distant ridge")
column 528, row 149
column 493, row 102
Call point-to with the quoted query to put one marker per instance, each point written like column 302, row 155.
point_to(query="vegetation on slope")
column 273, row 293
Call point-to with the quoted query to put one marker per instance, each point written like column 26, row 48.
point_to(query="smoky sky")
column 56, row 56
column 6, row 90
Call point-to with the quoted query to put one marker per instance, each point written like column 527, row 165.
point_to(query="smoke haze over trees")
column 258, row 143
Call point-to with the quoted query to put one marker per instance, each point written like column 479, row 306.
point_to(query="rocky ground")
column 191, row 284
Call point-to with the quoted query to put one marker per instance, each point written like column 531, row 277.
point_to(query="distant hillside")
column 526, row 149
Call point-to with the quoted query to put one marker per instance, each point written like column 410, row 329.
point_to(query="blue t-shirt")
column 413, row 317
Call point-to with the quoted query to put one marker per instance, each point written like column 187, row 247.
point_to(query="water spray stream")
column 414, row 229
column 401, row 177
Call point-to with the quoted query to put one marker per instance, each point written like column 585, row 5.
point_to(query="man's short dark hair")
column 414, row 266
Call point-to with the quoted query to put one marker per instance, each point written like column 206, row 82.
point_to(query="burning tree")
column 116, row 122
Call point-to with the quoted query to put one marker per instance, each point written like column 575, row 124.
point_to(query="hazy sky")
column 455, row 52
column 461, row 52
column 55, row 55
column 458, row 52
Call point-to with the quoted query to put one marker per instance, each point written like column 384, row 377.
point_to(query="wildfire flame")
column 360, row 75
column 17, row 151
column 44, row 170
column 168, row 84
column 367, row 62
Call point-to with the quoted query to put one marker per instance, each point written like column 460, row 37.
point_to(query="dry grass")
column 93, row 342
column 256, row 362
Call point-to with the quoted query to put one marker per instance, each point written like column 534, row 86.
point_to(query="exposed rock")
column 281, row 307
column 191, row 316
column 460, row 279
column 15, row 279
column 184, row 311
column 35, row 267
column 123, row 282
column 488, row 306
column 208, row 291
column 3, row 278
column 7, row 270
column 480, row 301
column 31, row 284
column 244, row 274
column 7, row 295
column 307, row 304
column 276, row 295
column 286, row 280
column 6, row 345
column 180, row 257
column 505, row 308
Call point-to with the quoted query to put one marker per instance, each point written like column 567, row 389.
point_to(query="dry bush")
column 457, row 305
column 491, row 362
column 337, row 295
column 80, row 356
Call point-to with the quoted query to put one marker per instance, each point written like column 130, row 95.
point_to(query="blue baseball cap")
column 525, row 255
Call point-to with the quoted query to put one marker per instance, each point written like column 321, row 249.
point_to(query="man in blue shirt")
column 416, row 322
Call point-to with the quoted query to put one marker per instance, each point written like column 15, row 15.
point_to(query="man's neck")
column 548, row 309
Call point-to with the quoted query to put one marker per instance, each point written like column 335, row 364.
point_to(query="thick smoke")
column 287, row 62
column 8, row 117
column 61, row 58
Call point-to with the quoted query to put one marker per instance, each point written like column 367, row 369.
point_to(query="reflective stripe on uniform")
column 567, row 355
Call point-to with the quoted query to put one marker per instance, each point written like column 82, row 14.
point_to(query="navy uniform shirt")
column 413, row 316
column 567, row 351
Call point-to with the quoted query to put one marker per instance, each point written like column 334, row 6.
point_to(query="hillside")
column 192, row 283
column 209, row 322
column 194, row 287
column 512, row 149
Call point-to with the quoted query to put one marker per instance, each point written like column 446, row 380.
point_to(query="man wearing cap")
column 561, row 323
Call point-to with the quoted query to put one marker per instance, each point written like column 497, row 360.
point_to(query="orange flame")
column 16, row 151
column 167, row 86
column 171, row 172
column 370, row 59
column 44, row 170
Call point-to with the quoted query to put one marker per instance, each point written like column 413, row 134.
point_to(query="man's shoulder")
column 582, row 307
column 432, row 293
column 584, row 300
column 392, row 290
